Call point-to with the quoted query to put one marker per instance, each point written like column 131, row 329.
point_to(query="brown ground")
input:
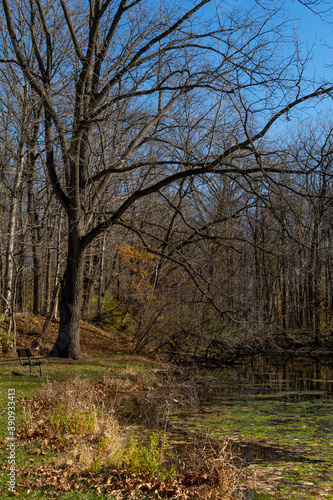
column 95, row 341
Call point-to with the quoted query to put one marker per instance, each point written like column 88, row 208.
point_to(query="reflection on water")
column 276, row 391
column 253, row 452
column 284, row 377
column 270, row 410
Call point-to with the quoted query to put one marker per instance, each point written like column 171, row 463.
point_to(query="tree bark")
column 89, row 285
column 101, row 278
column 68, row 342
column 37, row 253
column 49, row 317
column 9, row 291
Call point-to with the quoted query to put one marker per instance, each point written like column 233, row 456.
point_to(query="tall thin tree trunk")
column 48, row 318
column 9, row 290
column 48, row 276
column 37, row 252
column 89, row 284
column 38, row 278
column 101, row 278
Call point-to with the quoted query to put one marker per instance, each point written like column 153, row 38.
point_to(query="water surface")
column 278, row 415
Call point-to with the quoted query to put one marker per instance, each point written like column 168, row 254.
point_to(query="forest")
column 163, row 170
column 166, row 270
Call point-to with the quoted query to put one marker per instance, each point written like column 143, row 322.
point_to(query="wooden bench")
column 26, row 353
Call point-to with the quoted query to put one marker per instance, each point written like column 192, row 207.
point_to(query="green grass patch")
column 148, row 458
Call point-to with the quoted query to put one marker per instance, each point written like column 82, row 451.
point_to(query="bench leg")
column 41, row 371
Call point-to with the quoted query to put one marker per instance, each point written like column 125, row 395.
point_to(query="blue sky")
column 314, row 32
column 313, row 29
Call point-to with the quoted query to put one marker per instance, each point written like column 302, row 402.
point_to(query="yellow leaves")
column 136, row 258
column 141, row 265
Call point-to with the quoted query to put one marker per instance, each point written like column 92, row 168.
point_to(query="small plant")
column 103, row 443
column 145, row 459
column 81, row 421
column 97, row 466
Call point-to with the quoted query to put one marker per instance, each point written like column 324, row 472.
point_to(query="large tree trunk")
column 68, row 342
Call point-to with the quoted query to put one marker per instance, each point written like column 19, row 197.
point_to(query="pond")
column 279, row 418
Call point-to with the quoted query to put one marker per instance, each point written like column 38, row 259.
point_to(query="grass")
column 64, row 419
